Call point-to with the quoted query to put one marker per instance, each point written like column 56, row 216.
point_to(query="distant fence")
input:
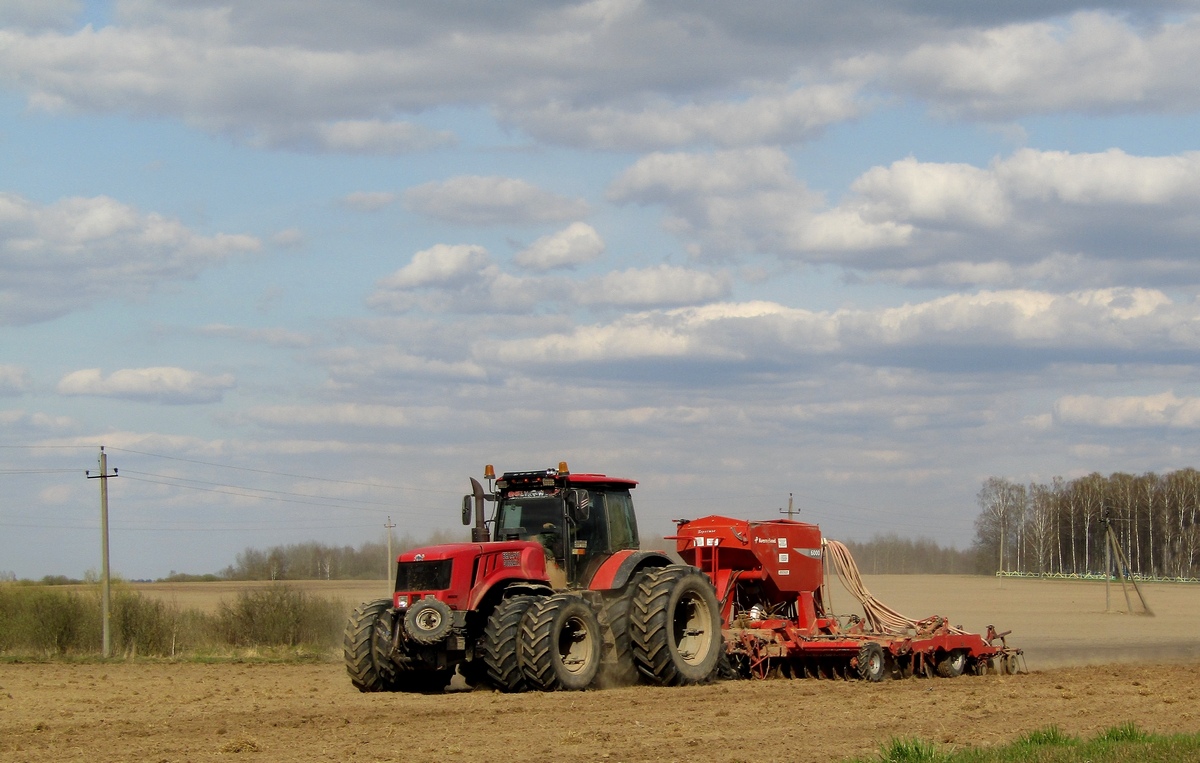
column 1139, row 577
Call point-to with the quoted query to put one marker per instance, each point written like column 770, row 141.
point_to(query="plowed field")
column 1089, row 671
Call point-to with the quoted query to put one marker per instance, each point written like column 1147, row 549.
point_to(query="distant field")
column 207, row 597
column 1056, row 622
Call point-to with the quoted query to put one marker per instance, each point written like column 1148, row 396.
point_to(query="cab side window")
column 622, row 527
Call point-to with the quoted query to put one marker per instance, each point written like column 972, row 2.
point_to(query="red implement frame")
column 772, row 591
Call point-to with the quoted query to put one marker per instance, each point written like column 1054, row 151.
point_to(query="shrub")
column 280, row 616
column 41, row 620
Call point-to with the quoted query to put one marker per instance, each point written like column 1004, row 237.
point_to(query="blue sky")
column 301, row 267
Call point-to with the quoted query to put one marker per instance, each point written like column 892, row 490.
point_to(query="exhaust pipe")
column 479, row 533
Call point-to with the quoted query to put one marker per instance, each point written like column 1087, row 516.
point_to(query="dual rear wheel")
column 665, row 628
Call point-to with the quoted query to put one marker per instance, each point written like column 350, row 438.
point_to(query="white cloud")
column 663, row 285
column 475, row 200
column 577, row 244
column 1092, row 62
column 454, row 278
column 344, row 414
column 374, row 136
column 356, row 78
column 369, row 201
column 361, row 136
column 70, row 254
column 274, row 337
column 1112, row 177
column 997, row 328
column 14, row 379
column 913, row 191
column 163, row 384
column 789, row 117
column 1047, row 218
column 38, row 14
column 35, row 422
column 440, row 265
column 352, row 364
column 1129, row 412
column 725, row 202
column 289, row 238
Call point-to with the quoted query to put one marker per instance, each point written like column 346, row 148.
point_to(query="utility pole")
column 106, row 641
column 790, row 511
column 391, row 559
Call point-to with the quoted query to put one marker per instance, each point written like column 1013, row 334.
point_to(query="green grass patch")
column 1050, row 745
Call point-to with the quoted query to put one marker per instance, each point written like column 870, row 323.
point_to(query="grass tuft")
column 1126, row 732
column 1051, row 736
column 909, row 751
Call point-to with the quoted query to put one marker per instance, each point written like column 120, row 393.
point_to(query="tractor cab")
column 579, row 519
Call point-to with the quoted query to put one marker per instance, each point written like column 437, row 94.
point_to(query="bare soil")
column 195, row 712
column 1089, row 670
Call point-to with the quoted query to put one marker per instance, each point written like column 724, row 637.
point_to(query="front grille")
column 423, row 576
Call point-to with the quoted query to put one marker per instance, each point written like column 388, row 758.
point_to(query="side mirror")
column 466, row 509
column 579, row 504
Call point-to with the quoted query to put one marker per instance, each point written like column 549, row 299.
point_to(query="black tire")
column 675, row 626
column 365, row 645
column 500, row 638
column 952, row 663
column 559, row 648
column 871, row 663
column 1009, row 664
column 618, row 668
column 428, row 622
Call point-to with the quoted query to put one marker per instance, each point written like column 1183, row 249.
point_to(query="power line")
column 227, row 527
column 36, row 447
column 286, row 474
column 252, row 495
column 38, row 471
column 257, row 489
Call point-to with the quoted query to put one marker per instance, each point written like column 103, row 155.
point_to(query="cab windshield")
column 531, row 515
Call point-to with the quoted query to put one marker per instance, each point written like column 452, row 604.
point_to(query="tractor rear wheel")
column 675, row 626
column 365, row 646
column 618, row 668
column 559, row 648
column 500, row 638
column 870, row 663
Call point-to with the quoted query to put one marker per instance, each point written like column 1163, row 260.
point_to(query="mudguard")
column 616, row 571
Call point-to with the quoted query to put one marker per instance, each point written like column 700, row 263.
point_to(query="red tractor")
column 554, row 595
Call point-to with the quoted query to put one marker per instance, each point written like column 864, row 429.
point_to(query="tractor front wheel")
column 675, row 626
column 365, row 645
column 560, row 642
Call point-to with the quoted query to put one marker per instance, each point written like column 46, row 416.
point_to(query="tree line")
column 1060, row 527
column 317, row 561
column 883, row 554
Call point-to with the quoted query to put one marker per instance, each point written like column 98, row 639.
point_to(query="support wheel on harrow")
column 500, row 637
column 871, row 663
column 952, row 663
column 559, row 646
column 365, row 645
column 675, row 626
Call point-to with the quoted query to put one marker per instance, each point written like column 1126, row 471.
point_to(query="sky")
column 304, row 267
